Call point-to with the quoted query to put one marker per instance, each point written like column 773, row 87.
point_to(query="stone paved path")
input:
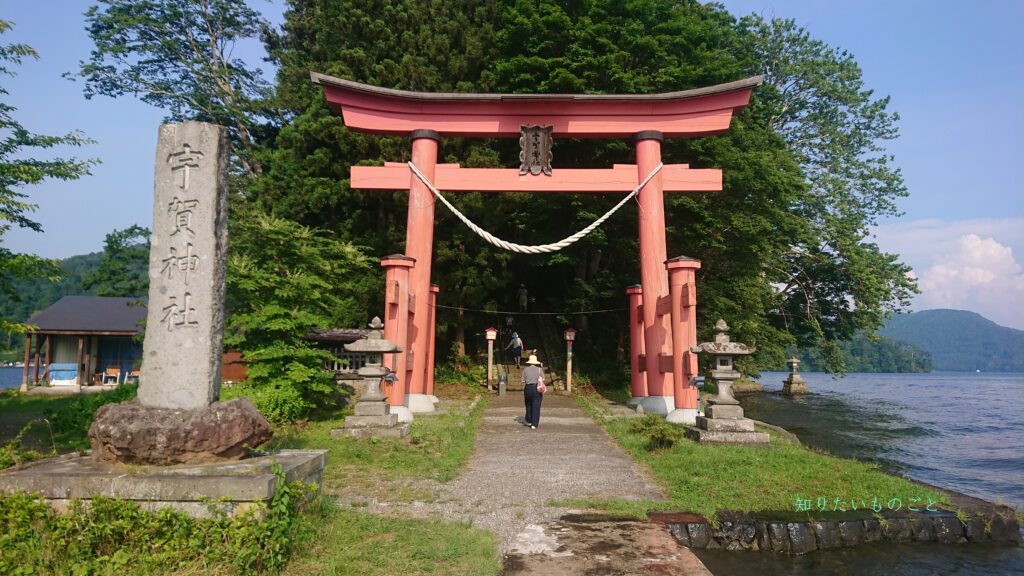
column 515, row 472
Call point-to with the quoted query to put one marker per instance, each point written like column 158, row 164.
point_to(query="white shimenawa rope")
column 542, row 248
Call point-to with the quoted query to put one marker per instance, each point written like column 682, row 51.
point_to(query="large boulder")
column 130, row 433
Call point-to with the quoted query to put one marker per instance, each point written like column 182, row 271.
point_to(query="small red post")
column 637, row 382
column 396, row 327
column 682, row 282
column 432, row 323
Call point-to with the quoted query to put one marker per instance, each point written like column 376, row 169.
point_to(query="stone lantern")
column 794, row 384
column 373, row 415
column 723, row 420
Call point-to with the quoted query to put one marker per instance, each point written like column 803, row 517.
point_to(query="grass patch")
column 33, row 426
column 107, row 536
column 436, row 449
column 351, row 542
column 706, row 479
column 327, row 538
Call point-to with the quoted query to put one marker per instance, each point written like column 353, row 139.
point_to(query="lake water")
column 10, row 377
column 957, row 430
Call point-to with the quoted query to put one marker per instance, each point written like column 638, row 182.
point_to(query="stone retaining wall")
column 742, row 532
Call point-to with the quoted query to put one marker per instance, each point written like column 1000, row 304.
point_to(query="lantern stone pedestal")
column 794, row 384
column 723, row 420
column 373, row 415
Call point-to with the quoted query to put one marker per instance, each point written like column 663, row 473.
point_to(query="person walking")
column 523, row 296
column 516, row 344
column 533, row 386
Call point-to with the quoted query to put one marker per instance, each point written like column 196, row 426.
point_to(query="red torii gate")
column 662, row 307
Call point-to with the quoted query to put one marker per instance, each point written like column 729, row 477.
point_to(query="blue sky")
column 953, row 71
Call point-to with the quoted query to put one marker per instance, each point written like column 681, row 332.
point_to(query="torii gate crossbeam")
column 662, row 307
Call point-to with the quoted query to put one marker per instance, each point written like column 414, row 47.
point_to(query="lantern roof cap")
column 722, row 345
column 374, row 342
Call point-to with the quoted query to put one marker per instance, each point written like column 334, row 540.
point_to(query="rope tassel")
column 541, row 248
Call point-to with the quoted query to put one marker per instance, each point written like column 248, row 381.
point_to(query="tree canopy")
column 784, row 246
column 178, row 55
column 124, row 267
column 18, row 169
column 785, row 250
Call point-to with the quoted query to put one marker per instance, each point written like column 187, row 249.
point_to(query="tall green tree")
column 410, row 44
column 838, row 282
column 124, row 267
column 777, row 222
column 18, row 169
column 178, row 55
column 291, row 280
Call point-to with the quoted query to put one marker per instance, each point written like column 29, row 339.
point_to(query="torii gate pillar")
column 653, row 277
column 419, row 243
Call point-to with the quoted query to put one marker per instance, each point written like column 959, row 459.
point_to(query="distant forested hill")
column 863, row 354
column 36, row 295
column 960, row 341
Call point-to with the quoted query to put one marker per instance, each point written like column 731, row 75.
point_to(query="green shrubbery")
column 71, row 420
column 285, row 280
column 657, row 433
column 64, row 427
column 107, row 536
column 278, row 403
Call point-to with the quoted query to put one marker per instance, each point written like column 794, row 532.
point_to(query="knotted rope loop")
column 538, row 249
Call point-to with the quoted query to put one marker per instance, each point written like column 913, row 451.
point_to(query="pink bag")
column 541, row 388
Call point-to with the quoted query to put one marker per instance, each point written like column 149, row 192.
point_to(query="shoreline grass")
column 708, row 479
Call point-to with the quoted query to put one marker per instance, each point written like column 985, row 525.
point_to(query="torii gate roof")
column 687, row 113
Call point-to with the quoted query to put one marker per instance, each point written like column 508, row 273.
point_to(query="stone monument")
column 373, row 416
column 794, row 384
column 177, row 418
column 723, row 419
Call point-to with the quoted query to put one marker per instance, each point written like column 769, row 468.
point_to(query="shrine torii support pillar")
column 644, row 118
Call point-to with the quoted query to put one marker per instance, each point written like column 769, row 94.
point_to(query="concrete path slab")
column 516, row 471
column 567, row 456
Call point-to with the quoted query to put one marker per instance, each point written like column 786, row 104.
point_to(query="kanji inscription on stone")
column 180, row 315
column 182, row 215
column 182, row 162
column 184, row 264
column 185, row 318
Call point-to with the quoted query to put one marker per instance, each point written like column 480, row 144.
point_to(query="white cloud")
column 966, row 264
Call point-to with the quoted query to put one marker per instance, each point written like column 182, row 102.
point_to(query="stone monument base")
column 725, row 424
column 130, row 433
column 201, row 491
column 794, row 387
column 397, row 431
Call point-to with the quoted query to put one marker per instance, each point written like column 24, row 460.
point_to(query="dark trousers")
column 532, row 399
